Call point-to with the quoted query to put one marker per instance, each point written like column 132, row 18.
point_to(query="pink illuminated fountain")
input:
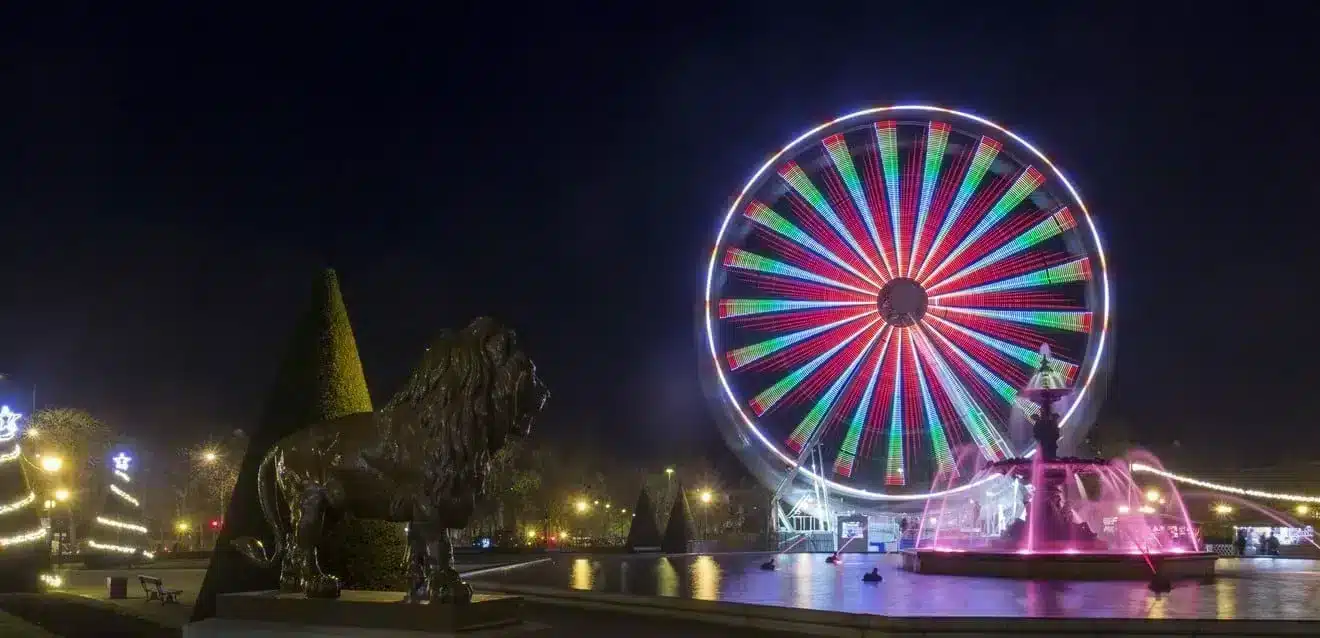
column 1074, row 518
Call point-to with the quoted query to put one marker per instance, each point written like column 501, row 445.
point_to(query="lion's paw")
column 321, row 586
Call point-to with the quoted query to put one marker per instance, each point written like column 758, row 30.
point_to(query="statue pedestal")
column 355, row 613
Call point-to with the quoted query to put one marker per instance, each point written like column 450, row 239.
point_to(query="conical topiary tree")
column 643, row 534
column 320, row 379
column 118, row 532
column 24, row 551
column 679, row 530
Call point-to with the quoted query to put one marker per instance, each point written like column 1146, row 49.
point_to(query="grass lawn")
column 15, row 627
column 73, row 616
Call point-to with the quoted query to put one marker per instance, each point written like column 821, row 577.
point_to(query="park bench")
column 154, row 588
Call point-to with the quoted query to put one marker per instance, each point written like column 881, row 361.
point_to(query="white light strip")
column 118, row 548
column 26, row 537
column 121, row 525
column 11, row 455
column 1141, row 467
column 124, row 495
column 19, row 504
column 123, row 477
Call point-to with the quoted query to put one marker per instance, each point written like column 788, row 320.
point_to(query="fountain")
column 1058, row 517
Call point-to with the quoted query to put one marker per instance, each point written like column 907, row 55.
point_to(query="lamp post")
column 706, row 498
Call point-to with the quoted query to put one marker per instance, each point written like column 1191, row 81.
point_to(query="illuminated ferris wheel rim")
column 737, row 204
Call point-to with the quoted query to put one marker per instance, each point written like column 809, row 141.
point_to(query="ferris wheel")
column 880, row 290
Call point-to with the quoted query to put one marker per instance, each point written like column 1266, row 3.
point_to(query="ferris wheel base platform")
column 1060, row 565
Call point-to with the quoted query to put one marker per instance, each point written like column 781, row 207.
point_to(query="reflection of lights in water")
column 1158, row 608
column 581, row 574
column 1225, row 599
column 666, row 578
column 705, row 578
column 802, row 569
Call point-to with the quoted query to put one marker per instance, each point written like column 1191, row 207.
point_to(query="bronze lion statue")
column 422, row 460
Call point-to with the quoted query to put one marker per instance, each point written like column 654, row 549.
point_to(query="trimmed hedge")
column 366, row 554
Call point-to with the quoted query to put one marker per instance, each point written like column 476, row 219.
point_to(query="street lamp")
column 1223, row 509
column 183, row 527
column 1152, row 495
column 61, row 495
column 705, row 496
column 210, row 456
column 1303, row 509
column 51, row 464
column 581, row 506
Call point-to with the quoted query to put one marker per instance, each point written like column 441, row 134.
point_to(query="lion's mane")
column 463, row 394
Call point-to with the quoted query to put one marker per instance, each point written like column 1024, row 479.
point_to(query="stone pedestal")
column 354, row 613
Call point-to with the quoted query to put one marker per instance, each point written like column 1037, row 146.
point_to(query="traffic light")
column 215, row 523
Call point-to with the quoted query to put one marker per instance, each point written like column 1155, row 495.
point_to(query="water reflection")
column 666, row 578
column 1245, row 588
column 581, row 574
column 705, row 578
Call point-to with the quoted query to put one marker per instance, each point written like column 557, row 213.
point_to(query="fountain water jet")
column 1084, row 518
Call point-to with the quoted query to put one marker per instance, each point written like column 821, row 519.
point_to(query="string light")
column 19, row 504
column 121, row 525
column 124, row 495
column 8, row 424
column 1141, row 467
column 11, row 455
column 26, row 537
column 118, row 548
column 123, row 477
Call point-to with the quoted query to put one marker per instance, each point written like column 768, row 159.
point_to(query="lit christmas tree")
column 21, row 532
column 118, row 531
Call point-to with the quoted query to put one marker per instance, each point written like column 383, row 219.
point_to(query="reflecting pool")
column 1248, row 588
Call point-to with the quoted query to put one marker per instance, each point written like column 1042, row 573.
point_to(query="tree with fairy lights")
column 21, row 535
column 117, row 532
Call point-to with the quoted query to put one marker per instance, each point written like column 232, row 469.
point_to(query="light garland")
column 1141, row 467
column 123, row 477
column 11, row 455
column 19, row 504
column 25, row 537
column 54, row 581
column 8, row 424
column 121, row 525
column 119, row 548
column 124, row 495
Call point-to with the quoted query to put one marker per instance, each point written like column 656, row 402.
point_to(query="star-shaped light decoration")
column 122, row 461
column 8, row 423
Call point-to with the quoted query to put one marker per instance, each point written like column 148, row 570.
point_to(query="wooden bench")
column 154, row 588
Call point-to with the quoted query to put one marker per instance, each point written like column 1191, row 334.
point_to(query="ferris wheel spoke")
column 743, row 260
column 1054, row 225
column 1027, row 182
column 994, row 379
column 937, row 140
column 977, row 423
column 1029, row 357
column 809, row 428
column 797, row 180
column 733, row 308
column 894, row 466
column 939, row 442
column 746, row 355
column 1069, row 320
column 886, row 138
column 837, row 148
column 986, row 151
column 843, row 462
column 767, row 218
column 1065, row 273
column 771, row 396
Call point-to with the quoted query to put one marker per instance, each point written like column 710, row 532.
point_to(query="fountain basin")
column 1059, row 566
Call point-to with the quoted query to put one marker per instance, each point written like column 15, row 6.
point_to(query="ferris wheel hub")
column 902, row 302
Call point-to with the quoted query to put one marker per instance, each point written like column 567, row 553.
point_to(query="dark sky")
column 170, row 182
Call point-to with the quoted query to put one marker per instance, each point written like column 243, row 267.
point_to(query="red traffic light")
column 215, row 523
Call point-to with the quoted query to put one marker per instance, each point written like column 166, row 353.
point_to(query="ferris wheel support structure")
column 813, row 520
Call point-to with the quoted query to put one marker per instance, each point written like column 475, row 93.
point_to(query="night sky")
column 170, row 182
